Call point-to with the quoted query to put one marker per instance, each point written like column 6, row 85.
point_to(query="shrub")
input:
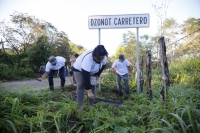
column 5, row 74
column 27, row 72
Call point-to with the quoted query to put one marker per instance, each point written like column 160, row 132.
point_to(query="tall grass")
column 25, row 110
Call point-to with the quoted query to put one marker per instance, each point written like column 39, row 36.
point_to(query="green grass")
column 28, row 111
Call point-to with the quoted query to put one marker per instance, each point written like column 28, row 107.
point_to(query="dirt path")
column 34, row 84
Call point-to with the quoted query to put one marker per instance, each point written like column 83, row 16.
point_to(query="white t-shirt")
column 85, row 61
column 121, row 67
column 60, row 63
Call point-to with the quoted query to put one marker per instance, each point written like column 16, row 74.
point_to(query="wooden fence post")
column 141, row 79
column 165, row 70
column 148, row 74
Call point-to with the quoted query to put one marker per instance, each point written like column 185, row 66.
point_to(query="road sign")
column 119, row 21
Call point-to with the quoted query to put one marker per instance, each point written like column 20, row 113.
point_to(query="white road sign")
column 118, row 21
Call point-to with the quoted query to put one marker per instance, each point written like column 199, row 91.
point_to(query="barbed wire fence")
column 168, row 57
column 180, row 53
column 183, row 37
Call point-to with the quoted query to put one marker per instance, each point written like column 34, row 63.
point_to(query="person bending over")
column 55, row 64
column 87, row 69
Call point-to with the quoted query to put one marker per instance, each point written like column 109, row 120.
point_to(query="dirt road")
column 35, row 84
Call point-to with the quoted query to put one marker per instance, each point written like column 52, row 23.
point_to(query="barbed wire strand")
column 169, row 51
column 183, row 54
column 183, row 37
column 169, row 58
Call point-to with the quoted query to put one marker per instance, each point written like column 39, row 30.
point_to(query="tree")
column 39, row 53
column 191, row 40
column 161, row 12
column 128, row 48
column 170, row 31
column 23, row 31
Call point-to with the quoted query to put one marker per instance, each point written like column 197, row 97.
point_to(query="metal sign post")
column 99, row 80
column 99, row 36
column 137, row 61
column 121, row 21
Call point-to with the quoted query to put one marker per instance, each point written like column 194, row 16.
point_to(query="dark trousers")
column 61, row 74
column 81, row 89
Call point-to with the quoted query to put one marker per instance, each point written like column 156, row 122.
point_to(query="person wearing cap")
column 87, row 69
column 121, row 67
column 42, row 70
column 54, row 64
column 72, row 60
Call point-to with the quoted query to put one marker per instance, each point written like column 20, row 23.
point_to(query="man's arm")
column 100, row 71
column 113, row 70
column 43, row 76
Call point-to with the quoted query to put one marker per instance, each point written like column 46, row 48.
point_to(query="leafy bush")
column 109, row 80
column 5, row 71
column 25, row 65
column 39, row 53
column 186, row 71
column 27, row 72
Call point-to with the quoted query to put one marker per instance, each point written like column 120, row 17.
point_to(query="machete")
column 109, row 102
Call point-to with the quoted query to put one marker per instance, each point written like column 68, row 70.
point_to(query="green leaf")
column 12, row 125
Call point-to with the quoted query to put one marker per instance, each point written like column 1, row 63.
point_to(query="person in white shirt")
column 87, row 68
column 54, row 64
column 72, row 60
column 121, row 67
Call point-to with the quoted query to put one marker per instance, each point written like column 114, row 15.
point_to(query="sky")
column 71, row 16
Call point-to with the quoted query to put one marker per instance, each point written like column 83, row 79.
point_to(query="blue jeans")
column 61, row 74
column 119, row 78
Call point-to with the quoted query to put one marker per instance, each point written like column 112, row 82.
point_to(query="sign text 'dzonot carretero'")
column 118, row 21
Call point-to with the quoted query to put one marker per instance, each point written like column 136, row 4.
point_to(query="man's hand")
column 43, row 76
column 113, row 70
column 90, row 94
column 40, row 79
column 117, row 73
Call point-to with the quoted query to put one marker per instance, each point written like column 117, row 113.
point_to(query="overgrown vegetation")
column 26, row 110
column 27, row 42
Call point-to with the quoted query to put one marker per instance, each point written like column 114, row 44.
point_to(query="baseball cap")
column 121, row 57
column 52, row 60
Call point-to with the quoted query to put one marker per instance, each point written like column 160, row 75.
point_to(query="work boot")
column 51, row 88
